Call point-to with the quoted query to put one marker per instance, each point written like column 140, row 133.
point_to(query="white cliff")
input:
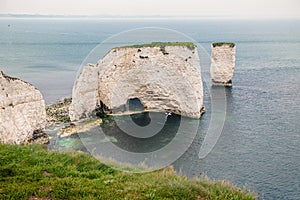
column 222, row 63
column 163, row 78
column 22, row 111
column 85, row 93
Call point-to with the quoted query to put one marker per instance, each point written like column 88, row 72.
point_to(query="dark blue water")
column 260, row 142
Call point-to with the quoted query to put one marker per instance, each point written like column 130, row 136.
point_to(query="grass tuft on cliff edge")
column 189, row 45
column 218, row 44
column 31, row 172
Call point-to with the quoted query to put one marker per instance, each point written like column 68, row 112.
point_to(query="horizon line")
column 71, row 16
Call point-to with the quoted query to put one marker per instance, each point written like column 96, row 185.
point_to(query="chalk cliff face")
column 162, row 78
column 22, row 111
column 85, row 93
column 223, row 63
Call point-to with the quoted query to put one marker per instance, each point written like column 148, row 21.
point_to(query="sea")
column 258, row 147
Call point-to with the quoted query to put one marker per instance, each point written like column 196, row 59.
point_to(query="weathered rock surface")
column 22, row 111
column 85, row 93
column 163, row 78
column 223, row 63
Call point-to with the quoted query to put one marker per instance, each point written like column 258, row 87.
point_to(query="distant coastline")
column 137, row 17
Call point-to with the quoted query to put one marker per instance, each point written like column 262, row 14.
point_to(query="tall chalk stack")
column 222, row 63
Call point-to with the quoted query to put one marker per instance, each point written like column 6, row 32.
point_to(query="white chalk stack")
column 222, row 63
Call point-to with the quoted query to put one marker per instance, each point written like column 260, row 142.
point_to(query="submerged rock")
column 163, row 78
column 81, row 127
column 22, row 112
column 222, row 63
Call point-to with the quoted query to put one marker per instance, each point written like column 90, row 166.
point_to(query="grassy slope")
column 30, row 172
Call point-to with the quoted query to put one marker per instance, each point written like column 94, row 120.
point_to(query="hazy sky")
column 210, row 8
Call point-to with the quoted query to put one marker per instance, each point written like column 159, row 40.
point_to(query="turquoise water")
column 260, row 142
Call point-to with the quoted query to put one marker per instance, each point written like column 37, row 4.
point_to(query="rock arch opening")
column 134, row 104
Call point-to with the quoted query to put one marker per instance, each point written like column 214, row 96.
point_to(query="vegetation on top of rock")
column 189, row 45
column 215, row 44
column 31, row 172
column 59, row 112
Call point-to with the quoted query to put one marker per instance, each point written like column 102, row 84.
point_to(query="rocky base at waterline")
column 38, row 137
column 226, row 84
column 58, row 112
column 22, row 112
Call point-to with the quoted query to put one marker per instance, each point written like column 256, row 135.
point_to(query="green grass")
column 189, row 45
column 231, row 44
column 31, row 172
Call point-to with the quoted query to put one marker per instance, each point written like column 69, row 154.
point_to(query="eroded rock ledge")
column 164, row 77
column 22, row 112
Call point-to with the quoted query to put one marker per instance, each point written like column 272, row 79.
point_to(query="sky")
column 201, row 8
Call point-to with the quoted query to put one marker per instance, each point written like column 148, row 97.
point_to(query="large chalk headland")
column 163, row 76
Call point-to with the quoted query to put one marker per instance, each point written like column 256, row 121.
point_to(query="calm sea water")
column 260, row 143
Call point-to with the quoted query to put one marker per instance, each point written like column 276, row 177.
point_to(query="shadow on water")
column 142, row 119
column 141, row 145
